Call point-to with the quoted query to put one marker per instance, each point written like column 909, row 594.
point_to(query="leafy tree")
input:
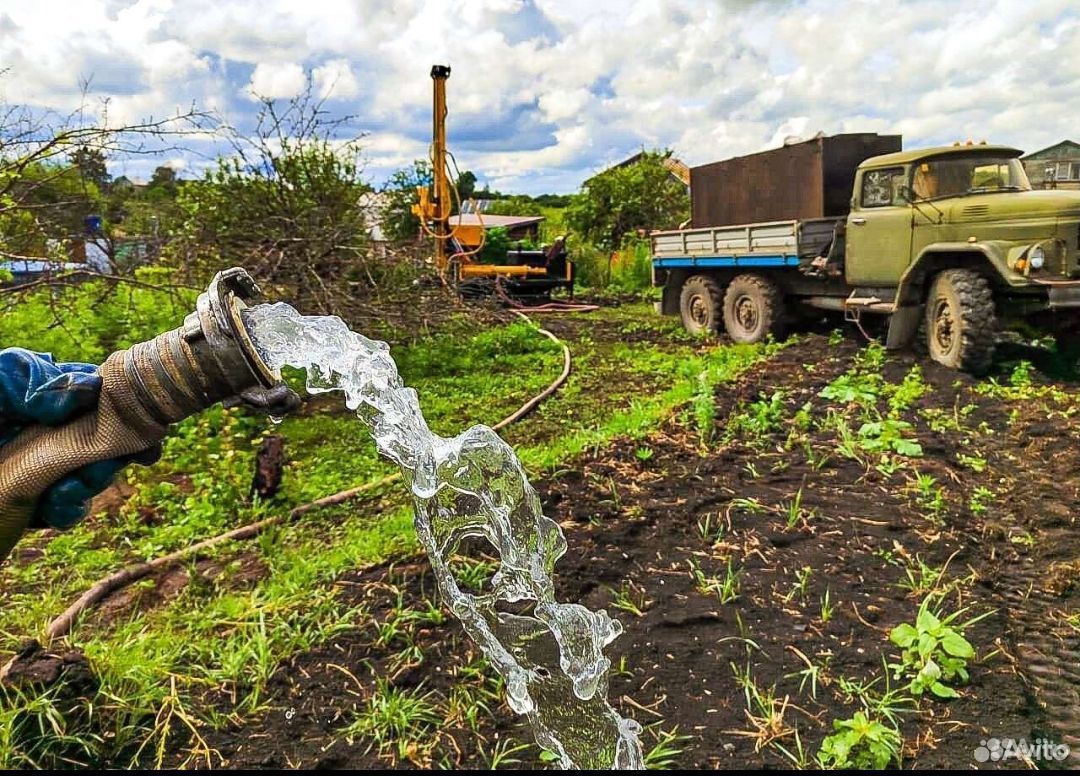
column 513, row 206
column 48, row 203
column 643, row 195
column 164, row 177
column 284, row 205
column 466, row 185
column 399, row 223
column 90, row 162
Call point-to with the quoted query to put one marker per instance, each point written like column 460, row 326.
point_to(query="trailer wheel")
column 960, row 321
column 700, row 305
column 753, row 309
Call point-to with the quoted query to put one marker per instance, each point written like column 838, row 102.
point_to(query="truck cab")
column 955, row 236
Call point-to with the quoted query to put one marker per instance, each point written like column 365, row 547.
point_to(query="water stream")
column 466, row 487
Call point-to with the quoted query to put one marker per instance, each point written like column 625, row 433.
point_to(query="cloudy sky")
column 545, row 92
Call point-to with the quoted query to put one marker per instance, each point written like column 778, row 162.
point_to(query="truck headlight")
column 1036, row 257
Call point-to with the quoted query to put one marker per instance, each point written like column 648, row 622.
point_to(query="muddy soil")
column 825, row 550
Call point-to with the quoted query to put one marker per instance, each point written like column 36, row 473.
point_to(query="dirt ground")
column 722, row 679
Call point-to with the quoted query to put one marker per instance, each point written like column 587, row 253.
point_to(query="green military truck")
column 950, row 240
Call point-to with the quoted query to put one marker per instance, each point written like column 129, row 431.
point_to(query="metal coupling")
column 210, row 358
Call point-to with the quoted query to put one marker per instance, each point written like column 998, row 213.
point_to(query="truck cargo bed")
column 775, row 244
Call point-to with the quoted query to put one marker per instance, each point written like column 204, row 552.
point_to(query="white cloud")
column 545, row 92
column 335, row 80
column 277, row 80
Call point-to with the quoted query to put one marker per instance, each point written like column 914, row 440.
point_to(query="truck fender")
column 911, row 290
column 939, row 256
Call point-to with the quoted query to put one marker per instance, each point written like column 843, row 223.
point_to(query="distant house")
column 26, row 269
column 678, row 170
column 467, row 227
column 1055, row 167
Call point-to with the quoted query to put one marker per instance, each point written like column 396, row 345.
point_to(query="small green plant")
column 713, row 528
column 888, row 435
column 760, row 418
column 904, row 395
column 929, row 496
column 974, row 462
column 662, row 755
column 643, row 454
column 812, row 674
column 981, row 497
column 920, row 578
column 751, row 505
column 726, row 588
column 630, row 598
column 860, row 742
column 794, row 514
column 828, row 607
column 853, row 388
column 1024, row 539
column 502, row 753
column 1021, row 375
column 801, row 587
column 933, row 652
column 1072, row 622
column 704, row 408
column 888, row 704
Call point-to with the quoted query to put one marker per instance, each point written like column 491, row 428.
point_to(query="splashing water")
column 473, row 485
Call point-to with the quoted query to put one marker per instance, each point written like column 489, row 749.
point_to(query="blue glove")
column 35, row 390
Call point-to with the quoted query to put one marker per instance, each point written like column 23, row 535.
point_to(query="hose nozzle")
column 210, row 358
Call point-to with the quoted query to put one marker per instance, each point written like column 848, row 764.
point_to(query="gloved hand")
column 34, row 389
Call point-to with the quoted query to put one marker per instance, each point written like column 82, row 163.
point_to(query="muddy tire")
column 753, row 309
column 960, row 321
column 701, row 305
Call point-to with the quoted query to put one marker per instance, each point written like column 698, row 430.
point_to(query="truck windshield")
column 976, row 174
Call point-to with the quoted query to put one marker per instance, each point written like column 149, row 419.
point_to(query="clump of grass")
column 664, row 754
column 392, row 719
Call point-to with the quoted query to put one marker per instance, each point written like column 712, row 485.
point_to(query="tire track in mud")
column 1040, row 589
column 1047, row 652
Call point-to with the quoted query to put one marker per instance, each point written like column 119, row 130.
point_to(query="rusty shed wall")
column 842, row 156
column 803, row 180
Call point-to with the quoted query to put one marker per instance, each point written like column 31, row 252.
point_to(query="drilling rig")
column 520, row 274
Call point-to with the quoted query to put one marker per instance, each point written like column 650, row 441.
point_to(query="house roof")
column 490, row 221
column 1054, row 147
column 679, row 171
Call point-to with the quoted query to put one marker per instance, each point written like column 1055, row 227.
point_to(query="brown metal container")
column 805, row 180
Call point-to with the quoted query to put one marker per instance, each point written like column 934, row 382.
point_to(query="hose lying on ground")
column 61, row 625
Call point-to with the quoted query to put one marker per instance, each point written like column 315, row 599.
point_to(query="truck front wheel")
column 753, row 309
column 700, row 303
column 960, row 321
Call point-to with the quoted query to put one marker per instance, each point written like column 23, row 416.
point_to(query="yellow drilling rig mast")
column 459, row 239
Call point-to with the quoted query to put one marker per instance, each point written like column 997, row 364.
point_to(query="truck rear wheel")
column 960, row 321
column 753, row 309
column 700, row 305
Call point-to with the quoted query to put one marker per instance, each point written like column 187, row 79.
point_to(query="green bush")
column 88, row 321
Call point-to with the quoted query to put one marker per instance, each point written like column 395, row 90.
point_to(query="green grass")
column 268, row 599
